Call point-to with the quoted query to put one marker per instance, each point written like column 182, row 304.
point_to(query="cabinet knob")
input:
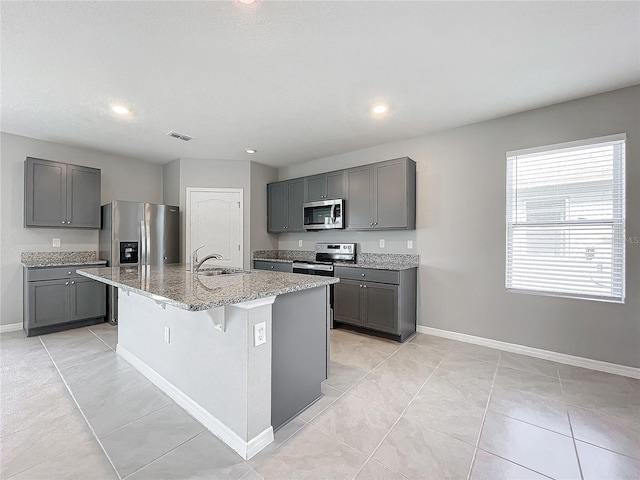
column 375, row 223
column 67, row 283
column 63, row 222
column 271, row 267
column 68, row 273
column 73, row 283
column 360, row 286
column 364, row 286
column 371, row 224
column 363, row 274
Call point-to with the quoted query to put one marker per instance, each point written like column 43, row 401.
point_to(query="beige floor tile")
column 417, row 360
column 148, row 438
column 358, row 423
column 529, row 382
column 69, row 350
column 373, row 470
column 528, row 407
column 529, row 364
column 461, row 362
column 27, row 448
column 312, row 455
column 114, row 382
column 601, row 464
column 123, row 408
column 606, row 431
column 343, row 377
column 457, row 418
column 329, row 395
column 490, row 467
column 204, row 457
column 381, row 344
column 533, row 447
column 478, row 352
column 419, row 452
column 77, row 374
column 360, row 356
column 460, row 386
column 282, row 435
column 431, row 341
column 86, row 462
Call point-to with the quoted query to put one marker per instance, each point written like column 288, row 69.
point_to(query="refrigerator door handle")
column 147, row 233
column 143, row 244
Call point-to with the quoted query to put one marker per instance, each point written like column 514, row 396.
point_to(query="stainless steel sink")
column 221, row 271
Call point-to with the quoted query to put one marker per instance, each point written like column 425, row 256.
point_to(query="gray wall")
column 260, row 176
column 251, row 177
column 122, row 179
column 460, row 233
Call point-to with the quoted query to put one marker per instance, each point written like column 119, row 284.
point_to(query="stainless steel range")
column 327, row 254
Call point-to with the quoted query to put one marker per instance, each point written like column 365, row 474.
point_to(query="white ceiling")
column 295, row 80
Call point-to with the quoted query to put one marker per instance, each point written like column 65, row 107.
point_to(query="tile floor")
column 431, row 408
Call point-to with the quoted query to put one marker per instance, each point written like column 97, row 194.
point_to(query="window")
column 566, row 218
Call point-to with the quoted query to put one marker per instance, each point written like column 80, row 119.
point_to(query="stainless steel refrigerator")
column 134, row 234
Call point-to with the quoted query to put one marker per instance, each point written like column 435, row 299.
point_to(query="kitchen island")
column 241, row 351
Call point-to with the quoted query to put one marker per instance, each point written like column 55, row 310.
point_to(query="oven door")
column 323, row 215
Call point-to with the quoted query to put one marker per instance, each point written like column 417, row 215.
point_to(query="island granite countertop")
column 175, row 285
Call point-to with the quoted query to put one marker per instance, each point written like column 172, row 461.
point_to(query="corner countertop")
column 376, row 261
column 59, row 259
column 175, row 285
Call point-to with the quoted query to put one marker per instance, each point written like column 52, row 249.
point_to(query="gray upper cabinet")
column 61, row 195
column 284, row 206
column 382, row 196
column 324, row 186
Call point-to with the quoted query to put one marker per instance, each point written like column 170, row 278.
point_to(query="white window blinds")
column 566, row 219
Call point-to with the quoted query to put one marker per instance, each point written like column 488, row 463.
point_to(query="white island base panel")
column 207, row 364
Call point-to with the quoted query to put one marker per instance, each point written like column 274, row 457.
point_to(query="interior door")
column 214, row 219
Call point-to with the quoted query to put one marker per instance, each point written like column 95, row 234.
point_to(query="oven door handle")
column 307, row 266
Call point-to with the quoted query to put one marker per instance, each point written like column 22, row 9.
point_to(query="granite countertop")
column 377, row 261
column 59, row 259
column 175, row 285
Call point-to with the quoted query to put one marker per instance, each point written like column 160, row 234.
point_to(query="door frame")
column 187, row 225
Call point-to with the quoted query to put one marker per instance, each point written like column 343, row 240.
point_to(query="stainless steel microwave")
column 324, row 214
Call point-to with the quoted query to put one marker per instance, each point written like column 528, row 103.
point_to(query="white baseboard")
column 11, row 327
column 535, row 352
column 245, row 449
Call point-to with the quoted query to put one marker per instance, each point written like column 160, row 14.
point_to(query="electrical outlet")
column 299, row 243
column 409, row 244
column 167, row 334
column 56, row 242
column 259, row 334
column 381, row 243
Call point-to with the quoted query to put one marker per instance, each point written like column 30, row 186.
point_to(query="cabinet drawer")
column 285, row 267
column 55, row 273
column 368, row 274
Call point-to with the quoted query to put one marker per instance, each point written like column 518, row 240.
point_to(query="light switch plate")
column 299, row 243
column 381, row 243
column 167, row 334
column 56, row 242
column 409, row 244
column 259, row 334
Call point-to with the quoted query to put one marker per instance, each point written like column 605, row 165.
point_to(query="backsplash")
column 303, row 255
column 363, row 258
column 47, row 259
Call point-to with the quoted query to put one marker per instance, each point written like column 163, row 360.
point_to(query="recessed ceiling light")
column 380, row 108
column 121, row 109
column 247, row 2
column 251, row 150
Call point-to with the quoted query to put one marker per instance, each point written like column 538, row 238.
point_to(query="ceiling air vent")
column 180, row 136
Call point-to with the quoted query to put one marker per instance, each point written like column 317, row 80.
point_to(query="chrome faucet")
column 195, row 264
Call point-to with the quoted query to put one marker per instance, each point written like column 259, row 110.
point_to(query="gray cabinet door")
column 316, row 188
column 83, row 197
column 277, row 207
column 347, row 302
column 360, row 198
column 88, row 299
column 295, row 213
column 285, row 267
column 45, row 193
column 390, row 194
column 381, row 307
column 48, row 302
column 335, row 185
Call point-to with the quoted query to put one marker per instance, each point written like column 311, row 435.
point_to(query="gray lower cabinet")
column 382, row 196
column 286, row 267
column 61, row 195
column 57, row 298
column 284, row 206
column 380, row 300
